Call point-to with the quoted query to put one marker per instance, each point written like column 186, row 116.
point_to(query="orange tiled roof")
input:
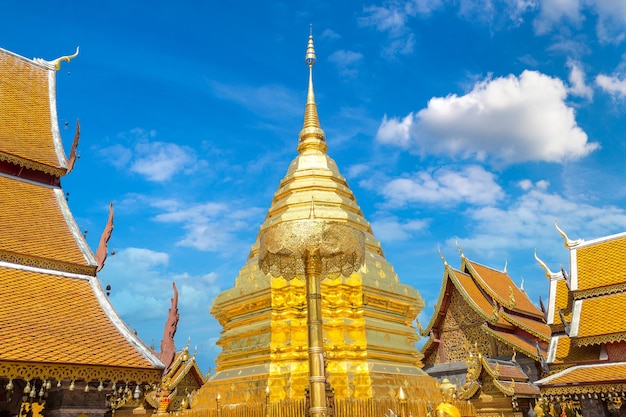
column 602, row 264
column 533, row 326
column 475, row 296
column 500, row 284
column 567, row 353
column 524, row 345
column 506, row 371
column 523, row 389
column 28, row 116
column 587, row 375
column 36, row 223
column 603, row 316
column 57, row 319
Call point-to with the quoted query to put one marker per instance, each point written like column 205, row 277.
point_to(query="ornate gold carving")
column 284, row 248
column 59, row 372
column 35, row 166
column 47, row 264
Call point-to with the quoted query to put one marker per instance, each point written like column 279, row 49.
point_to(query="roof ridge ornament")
column 458, row 247
column 56, row 63
column 311, row 137
column 568, row 242
column 549, row 274
column 443, row 258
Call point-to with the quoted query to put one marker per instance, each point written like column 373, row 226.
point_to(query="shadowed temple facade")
column 368, row 314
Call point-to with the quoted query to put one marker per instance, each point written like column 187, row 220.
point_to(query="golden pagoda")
column 368, row 316
column 587, row 355
column 61, row 342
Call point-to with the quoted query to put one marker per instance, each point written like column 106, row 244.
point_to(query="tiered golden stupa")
column 368, row 316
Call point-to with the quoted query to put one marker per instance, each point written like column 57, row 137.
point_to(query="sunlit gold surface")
column 284, row 248
column 368, row 333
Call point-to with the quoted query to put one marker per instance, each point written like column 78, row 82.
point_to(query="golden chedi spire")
column 368, row 315
column 311, row 137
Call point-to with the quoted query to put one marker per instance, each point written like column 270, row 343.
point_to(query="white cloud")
column 529, row 221
column 142, row 289
column 508, row 120
column 552, row 12
column 391, row 229
column 330, row 34
column 154, row 160
column 159, row 161
column 346, row 61
column 577, row 80
column 444, row 186
column 612, row 84
column 268, row 101
column 611, row 27
column 392, row 18
column 396, row 132
column 210, row 227
column 610, row 14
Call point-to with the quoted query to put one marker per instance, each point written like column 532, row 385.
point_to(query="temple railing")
column 346, row 407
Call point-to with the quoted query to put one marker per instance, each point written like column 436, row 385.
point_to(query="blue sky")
column 469, row 122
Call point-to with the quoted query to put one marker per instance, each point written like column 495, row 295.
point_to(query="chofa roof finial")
column 568, row 242
column 56, row 64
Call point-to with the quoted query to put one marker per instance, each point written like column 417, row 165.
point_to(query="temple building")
column 488, row 336
column 61, row 342
column 587, row 353
column 368, row 315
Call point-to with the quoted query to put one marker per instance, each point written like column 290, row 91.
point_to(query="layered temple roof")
column 369, row 336
column 495, row 304
column 588, row 346
column 29, row 133
column 57, row 321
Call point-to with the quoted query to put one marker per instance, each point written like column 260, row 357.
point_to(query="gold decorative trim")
column 59, row 372
column 47, row 264
column 469, row 390
column 508, row 391
column 583, row 389
column 596, row 340
column 597, row 292
column 491, row 318
column 35, row 166
column 446, row 277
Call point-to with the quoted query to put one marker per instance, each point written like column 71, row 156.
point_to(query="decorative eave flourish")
column 566, row 325
column 568, row 243
column 549, row 274
column 509, row 391
column 544, row 364
column 56, row 63
column 474, row 363
column 73, row 155
column 102, row 251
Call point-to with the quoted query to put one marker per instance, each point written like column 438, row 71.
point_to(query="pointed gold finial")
column 311, row 137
